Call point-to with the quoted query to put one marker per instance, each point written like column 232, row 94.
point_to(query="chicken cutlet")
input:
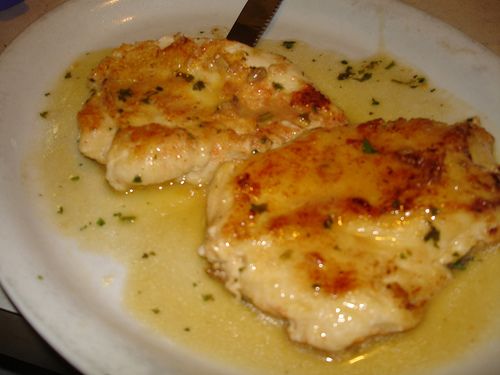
column 178, row 107
column 346, row 233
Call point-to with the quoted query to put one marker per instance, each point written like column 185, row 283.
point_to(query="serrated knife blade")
column 253, row 21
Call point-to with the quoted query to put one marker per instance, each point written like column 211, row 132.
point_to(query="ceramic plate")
column 81, row 320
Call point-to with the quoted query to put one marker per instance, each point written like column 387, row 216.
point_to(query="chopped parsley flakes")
column 258, row 208
column 207, row 297
column 414, row 82
column 367, row 147
column 432, row 235
column 277, row 86
column 185, row 76
column 124, row 94
column 461, row 264
column 125, row 218
column 199, row 85
column 288, row 44
column 328, row 222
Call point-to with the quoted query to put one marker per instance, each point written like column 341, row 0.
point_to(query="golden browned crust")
column 233, row 100
column 366, row 216
column 404, row 165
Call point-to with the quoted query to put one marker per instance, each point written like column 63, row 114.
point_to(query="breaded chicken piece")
column 178, row 107
column 346, row 233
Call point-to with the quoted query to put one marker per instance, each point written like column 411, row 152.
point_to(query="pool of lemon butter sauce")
column 155, row 233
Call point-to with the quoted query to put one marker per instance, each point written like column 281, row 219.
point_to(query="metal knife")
column 253, row 21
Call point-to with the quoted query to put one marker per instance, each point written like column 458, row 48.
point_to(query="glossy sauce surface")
column 156, row 231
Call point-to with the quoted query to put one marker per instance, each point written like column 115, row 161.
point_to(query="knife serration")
column 253, row 21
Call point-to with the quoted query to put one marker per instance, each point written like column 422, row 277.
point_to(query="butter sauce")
column 156, row 231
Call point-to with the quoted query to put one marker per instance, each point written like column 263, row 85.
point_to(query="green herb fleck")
column 375, row 101
column 100, row 222
column 288, row 44
column 328, row 222
column 286, row 254
column 396, row 204
column 47, row 93
column 199, row 85
column 364, row 77
column 126, row 218
column 147, row 255
column 258, row 208
column 391, row 65
column 347, row 73
column 156, row 310
column 148, row 95
column 361, row 75
column 185, row 76
column 432, row 235
column 68, row 75
column 60, row 210
column 367, row 147
column 207, row 297
column 40, row 277
column 462, row 263
column 74, row 177
column 137, row 179
column 187, row 329
column 344, row 62
column 44, row 114
column 124, row 94
column 277, row 86
column 414, row 82
column 83, row 227
column 433, row 210
column 92, row 92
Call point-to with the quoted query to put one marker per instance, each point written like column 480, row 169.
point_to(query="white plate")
column 69, row 309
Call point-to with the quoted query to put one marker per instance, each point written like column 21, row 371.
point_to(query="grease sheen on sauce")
column 156, row 231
